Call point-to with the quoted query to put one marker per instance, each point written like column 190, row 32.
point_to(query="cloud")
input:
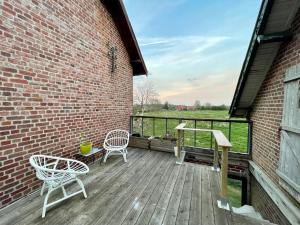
column 189, row 68
column 188, row 56
column 155, row 43
column 175, row 51
column 215, row 88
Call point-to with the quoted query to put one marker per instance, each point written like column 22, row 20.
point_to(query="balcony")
column 150, row 189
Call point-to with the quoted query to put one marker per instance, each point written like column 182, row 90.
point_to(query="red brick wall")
column 55, row 83
column 261, row 201
column 267, row 108
column 266, row 117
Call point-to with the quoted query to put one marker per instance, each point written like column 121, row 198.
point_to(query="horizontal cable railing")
column 238, row 132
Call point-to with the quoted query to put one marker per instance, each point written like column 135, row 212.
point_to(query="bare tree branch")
column 144, row 94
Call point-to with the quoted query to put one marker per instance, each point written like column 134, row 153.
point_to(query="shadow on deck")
column 149, row 189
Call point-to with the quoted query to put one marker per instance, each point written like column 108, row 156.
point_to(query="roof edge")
column 261, row 20
column 118, row 12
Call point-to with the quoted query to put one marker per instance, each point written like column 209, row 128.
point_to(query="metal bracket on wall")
column 112, row 54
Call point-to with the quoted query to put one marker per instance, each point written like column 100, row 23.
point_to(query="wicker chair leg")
column 45, row 202
column 82, row 187
column 106, row 155
column 124, row 156
column 64, row 191
column 43, row 188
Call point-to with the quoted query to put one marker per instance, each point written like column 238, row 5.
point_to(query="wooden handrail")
column 211, row 123
column 221, row 139
column 221, row 143
column 181, row 126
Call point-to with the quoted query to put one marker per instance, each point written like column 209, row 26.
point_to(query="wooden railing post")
column 179, row 143
column 223, row 203
column 224, row 172
column 216, row 158
column 220, row 142
column 142, row 126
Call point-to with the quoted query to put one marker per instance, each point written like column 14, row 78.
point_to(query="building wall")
column 267, row 108
column 265, row 205
column 55, row 83
column 267, row 116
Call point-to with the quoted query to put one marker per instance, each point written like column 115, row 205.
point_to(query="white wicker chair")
column 115, row 143
column 56, row 172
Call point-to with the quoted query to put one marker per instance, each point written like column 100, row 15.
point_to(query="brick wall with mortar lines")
column 261, row 201
column 266, row 116
column 268, row 105
column 55, row 83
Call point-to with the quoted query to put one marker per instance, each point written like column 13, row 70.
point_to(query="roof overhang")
column 271, row 29
column 117, row 9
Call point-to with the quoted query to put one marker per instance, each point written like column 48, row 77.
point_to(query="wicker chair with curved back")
column 56, row 172
column 115, row 143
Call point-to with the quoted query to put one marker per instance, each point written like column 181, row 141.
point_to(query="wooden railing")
column 221, row 142
column 238, row 132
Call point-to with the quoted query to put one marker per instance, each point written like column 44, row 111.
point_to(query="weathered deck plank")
column 185, row 202
column 172, row 210
column 26, row 211
column 100, row 186
column 195, row 209
column 163, row 202
column 148, row 190
column 149, row 208
column 207, row 216
column 139, row 205
column 124, row 205
column 220, row 215
column 120, row 189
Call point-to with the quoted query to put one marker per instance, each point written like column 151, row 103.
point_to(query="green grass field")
column 235, row 192
column 204, row 114
column 238, row 136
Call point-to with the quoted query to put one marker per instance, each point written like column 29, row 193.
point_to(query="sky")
column 193, row 49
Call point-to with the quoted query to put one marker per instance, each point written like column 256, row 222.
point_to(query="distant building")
column 190, row 108
column 181, row 107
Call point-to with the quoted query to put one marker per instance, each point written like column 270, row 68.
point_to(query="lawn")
column 235, row 192
column 159, row 127
column 204, row 114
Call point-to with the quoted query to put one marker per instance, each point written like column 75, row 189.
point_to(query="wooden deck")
column 149, row 189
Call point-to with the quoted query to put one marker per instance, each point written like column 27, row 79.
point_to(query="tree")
column 166, row 105
column 154, row 105
column 197, row 105
column 206, row 106
column 144, row 94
